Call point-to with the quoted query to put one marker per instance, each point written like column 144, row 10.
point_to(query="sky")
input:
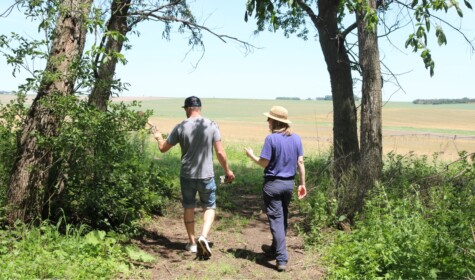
column 277, row 67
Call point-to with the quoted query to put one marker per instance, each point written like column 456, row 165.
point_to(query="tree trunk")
column 345, row 135
column 30, row 172
column 371, row 104
column 105, row 71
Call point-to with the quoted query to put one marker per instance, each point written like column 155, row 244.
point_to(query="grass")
column 46, row 253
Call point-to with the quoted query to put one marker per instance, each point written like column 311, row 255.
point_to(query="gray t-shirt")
column 196, row 137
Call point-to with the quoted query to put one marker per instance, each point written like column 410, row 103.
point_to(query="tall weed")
column 416, row 224
column 46, row 252
column 319, row 207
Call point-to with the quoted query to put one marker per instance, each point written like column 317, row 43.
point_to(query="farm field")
column 422, row 129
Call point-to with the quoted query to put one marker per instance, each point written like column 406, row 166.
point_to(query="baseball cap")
column 192, row 101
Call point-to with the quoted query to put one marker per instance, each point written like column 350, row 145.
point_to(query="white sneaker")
column 191, row 247
column 204, row 245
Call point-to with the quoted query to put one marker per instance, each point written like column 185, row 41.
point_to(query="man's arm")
column 223, row 161
column 163, row 145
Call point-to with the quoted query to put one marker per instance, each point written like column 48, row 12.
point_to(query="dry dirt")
column 236, row 239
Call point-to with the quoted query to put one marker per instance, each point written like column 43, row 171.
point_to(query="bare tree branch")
column 349, row 29
column 192, row 25
column 8, row 11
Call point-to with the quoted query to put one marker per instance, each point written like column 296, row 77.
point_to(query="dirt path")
column 235, row 239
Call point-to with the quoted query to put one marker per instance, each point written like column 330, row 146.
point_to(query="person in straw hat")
column 281, row 157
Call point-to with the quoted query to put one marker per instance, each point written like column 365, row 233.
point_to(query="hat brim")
column 277, row 119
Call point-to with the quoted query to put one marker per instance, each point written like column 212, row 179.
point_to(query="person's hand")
column 302, row 191
column 156, row 133
column 229, row 177
column 249, row 152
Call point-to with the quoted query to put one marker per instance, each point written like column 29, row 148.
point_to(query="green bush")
column 319, row 207
column 110, row 180
column 416, row 224
column 102, row 174
column 10, row 122
column 48, row 252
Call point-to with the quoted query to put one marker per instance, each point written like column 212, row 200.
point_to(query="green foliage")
column 423, row 14
column 9, row 127
column 109, row 180
column 278, row 14
column 319, row 207
column 102, row 174
column 416, row 224
column 64, row 252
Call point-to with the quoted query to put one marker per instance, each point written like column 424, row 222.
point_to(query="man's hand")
column 156, row 133
column 229, row 177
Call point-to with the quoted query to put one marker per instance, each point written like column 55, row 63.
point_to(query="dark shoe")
column 204, row 246
column 269, row 251
column 281, row 267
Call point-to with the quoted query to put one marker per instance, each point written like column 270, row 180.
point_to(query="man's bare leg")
column 208, row 220
column 189, row 220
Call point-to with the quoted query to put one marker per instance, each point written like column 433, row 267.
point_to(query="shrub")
column 319, row 207
column 110, row 181
column 414, row 225
column 10, row 122
column 48, row 252
column 102, row 175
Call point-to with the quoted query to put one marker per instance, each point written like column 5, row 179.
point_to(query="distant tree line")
column 444, row 101
column 327, row 97
column 288, row 98
column 324, row 98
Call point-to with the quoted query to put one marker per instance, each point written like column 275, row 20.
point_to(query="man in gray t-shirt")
column 197, row 137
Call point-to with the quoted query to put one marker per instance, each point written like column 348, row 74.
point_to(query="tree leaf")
column 468, row 4
column 441, row 39
column 459, row 11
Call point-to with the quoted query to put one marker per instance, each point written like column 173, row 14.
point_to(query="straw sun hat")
column 278, row 113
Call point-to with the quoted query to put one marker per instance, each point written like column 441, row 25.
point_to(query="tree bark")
column 371, row 104
column 345, row 135
column 104, row 76
column 29, row 179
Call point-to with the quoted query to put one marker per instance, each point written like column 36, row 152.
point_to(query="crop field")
column 422, row 129
column 407, row 127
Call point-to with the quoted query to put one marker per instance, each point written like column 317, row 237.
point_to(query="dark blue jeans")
column 277, row 195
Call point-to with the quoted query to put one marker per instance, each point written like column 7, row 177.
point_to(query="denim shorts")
column 206, row 188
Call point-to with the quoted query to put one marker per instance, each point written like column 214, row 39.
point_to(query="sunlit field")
column 407, row 127
column 422, row 129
